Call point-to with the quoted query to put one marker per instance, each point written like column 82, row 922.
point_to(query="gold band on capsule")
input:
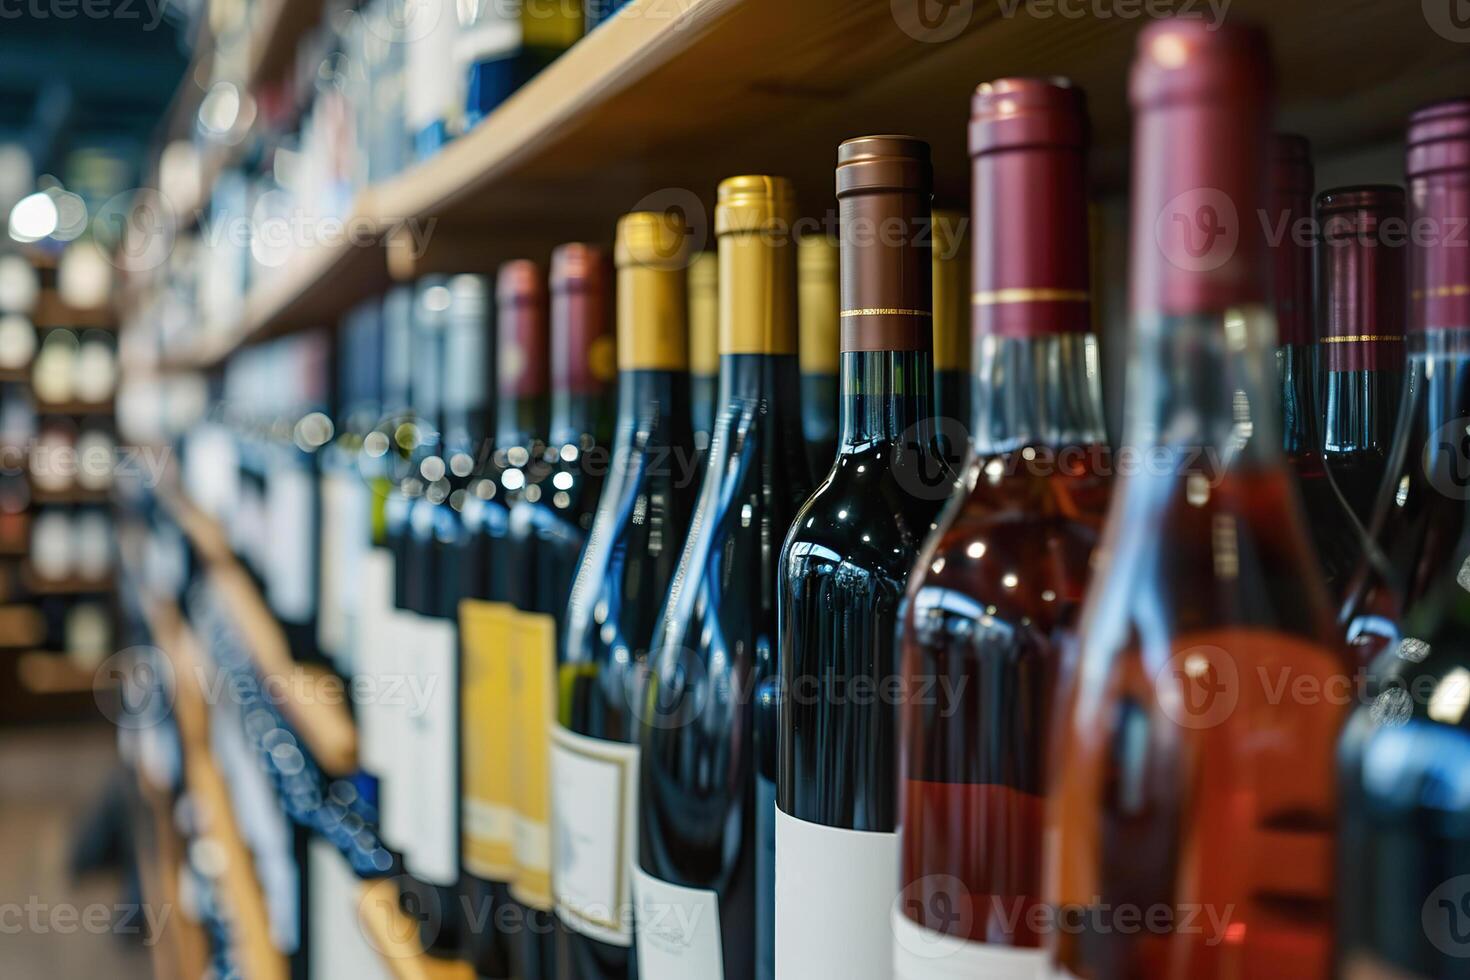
column 885, row 311
column 1440, row 292
column 1030, row 294
column 1363, row 338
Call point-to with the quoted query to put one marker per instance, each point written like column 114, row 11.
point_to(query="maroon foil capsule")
column 1201, row 98
column 583, row 358
column 520, row 329
column 1028, row 146
column 1439, row 208
column 1289, row 236
column 1364, row 267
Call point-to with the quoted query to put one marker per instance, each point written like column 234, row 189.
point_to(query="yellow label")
column 488, row 807
column 551, row 23
column 533, row 695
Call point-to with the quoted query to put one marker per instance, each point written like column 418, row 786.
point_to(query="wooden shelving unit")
column 314, row 701
column 396, row 938
column 774, row 86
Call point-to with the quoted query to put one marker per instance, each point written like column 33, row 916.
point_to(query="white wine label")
column 339, row 945
column 834, row 893
column 594, row 799
column 435, row 854
column 921, row 953
column 488, row 821
column 331, row 617
column 396, row 784
column 374, row 746
column 291, row 585
column 678, row 930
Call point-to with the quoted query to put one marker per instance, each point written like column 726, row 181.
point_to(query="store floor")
column 52, row 925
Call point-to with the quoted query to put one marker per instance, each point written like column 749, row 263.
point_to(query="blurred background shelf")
column 395, row 937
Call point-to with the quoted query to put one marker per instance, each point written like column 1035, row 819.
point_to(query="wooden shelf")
column 48, row 672
column 71, row 495
column 36, row 585
column 75, row 408
column 314, row 701
column 773, row 86
column 396, row 938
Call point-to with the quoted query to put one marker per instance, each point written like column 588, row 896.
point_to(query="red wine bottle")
column 548, row 529
column 1362, row 271
column 632, row 549
column 1404, row 861
column 1336, row 536
column 717, row 633
column 842, row 575
column 1193, row 793
column 996, row 592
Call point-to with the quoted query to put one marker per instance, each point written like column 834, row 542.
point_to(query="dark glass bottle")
column 704, row 350
column 717, row 632
column 1361, row 359
column 818, row 305
column 548, row 528
column 1187, row 782
column 843, row 570
column 952, row 379
column 642, row 516
column 432, row 887
column 1404, row 855
column 1335, row 535
column 996, row 594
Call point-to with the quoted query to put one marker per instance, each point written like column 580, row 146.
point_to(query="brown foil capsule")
column 1439, row 200
column 520, row 329
column 1288, row 207
column 884, row 184
column 1028, row 146
column 582, row 350
column 1202, row 98
column 1364, row 267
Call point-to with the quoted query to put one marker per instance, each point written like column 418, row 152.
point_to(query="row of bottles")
column 745, row 615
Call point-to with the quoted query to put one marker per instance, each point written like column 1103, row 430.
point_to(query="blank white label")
column 435, row 855
column 834, row 892
column 921, row 953
column 396, row 697
column 678, row 930
column 594, row 798
column 375, row 745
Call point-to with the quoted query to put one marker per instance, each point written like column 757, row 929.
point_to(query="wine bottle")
column 642, row 517
column 488, row 615
column 432, row 887
column 843, row 569
column 1189, row 786
column 952, row 384
column 1402, row 862
column 384, row 750
column 704, row 350
column 818, row 305
column 717, row 632
column 995, row 596
column 1362, row 270
column 548, row 529
column 1336, row 537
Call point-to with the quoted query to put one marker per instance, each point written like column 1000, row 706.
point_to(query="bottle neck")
column 579, row 414
column 887, row 396
column 520, row 420
column 1204, row 384
column 1036, row 391
column 1360, row 409
column 1298, row 415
